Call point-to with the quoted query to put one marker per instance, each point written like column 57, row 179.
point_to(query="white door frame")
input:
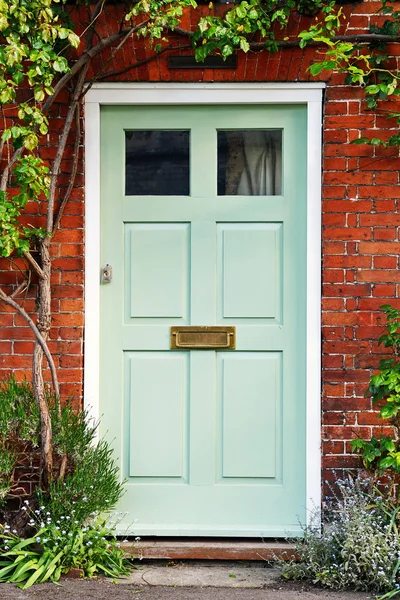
column 309, row 94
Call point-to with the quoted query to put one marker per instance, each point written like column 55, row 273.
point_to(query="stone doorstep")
column 206, row 549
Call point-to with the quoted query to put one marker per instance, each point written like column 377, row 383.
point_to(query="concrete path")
column 183, row 581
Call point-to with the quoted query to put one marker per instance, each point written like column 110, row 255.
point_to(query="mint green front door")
column 203, row 221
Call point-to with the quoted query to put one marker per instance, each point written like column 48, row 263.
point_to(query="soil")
column 101, row 589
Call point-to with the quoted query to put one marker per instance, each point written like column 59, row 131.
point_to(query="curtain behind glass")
column 253, row 165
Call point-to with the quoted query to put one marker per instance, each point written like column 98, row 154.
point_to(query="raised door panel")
column 157, row 263
column 250, row 388
column 157, row 412
column 250, row 271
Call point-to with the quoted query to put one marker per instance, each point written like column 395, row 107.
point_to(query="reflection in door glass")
column 157, row 163
column 250, row 162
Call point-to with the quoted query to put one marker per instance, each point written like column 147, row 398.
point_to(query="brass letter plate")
column 203, row 338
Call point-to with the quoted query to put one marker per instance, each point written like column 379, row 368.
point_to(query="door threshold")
column 209, row 549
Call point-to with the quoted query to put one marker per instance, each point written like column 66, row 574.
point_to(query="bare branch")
column 85, row 58
column 365, row 38
column 61, row 148
column 7, row 170
column 96, row 78
column 137, row 64
column 40, row 339
column 34, row 264
column 362, row 38
column 98, row 9
column 74, row 171
column 21, row 288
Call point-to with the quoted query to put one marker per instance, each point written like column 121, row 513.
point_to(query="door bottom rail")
column 208, row 549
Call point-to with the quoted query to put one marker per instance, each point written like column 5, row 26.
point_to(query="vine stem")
column 40, row 339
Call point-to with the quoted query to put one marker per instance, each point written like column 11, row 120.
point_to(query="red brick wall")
column 360, row 235
column 66, row 338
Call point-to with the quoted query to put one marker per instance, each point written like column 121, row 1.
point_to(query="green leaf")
column 31, row 141
column 34, row 577
column 316, row 68
column 244, row 44
column 226, row 50
column 387, row 462
column 389, row 411
column 73, row 39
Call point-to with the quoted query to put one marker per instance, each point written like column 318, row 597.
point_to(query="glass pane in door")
column 250, row 162
column 157, row 163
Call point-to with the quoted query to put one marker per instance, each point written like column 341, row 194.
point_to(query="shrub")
column 19, row 426
column 63, row 522
column 93, row 486
column 358, row 545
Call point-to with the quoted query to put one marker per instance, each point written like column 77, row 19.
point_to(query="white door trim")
column 212, row 93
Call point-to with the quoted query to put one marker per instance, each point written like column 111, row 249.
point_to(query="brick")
column 379, row 191
column 347, row 262
column 369, row 220
column 333, row 220
column 332, row 304
column 347, row 233
column 332, row 447
column 333, row 248
column 389, row 233
column 356, row 206
column 386, row 276
column 384, row 290
column 333, row 276
column 351, row 177
column 334, row 462
column 379, row 248
column 385, row 262
column 347, row 376
column 350, row 122
column 334, row 361
column 333, row 418
column 362, row 289
column 337, row 432
column 369, row 418
column 346, row 404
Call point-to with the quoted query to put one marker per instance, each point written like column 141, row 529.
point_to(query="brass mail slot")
column 203, row 338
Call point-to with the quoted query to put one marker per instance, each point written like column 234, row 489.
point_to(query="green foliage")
column 367, row 66
column 158, row 15
column 69, row 530
column 93, row 486
column 19, row 415
column 234, row 29
column 59, row 545
column 359, row 545
column 379, row 455
column 92, row 480
column 72, row 432
column 33, row 41
column 19, row 420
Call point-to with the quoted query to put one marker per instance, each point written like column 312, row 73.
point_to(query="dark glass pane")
column 250, row 162
column 157, row 163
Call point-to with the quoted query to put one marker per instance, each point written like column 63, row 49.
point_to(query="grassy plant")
column 358, row 546
column 58, row 546
column 93, row 486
